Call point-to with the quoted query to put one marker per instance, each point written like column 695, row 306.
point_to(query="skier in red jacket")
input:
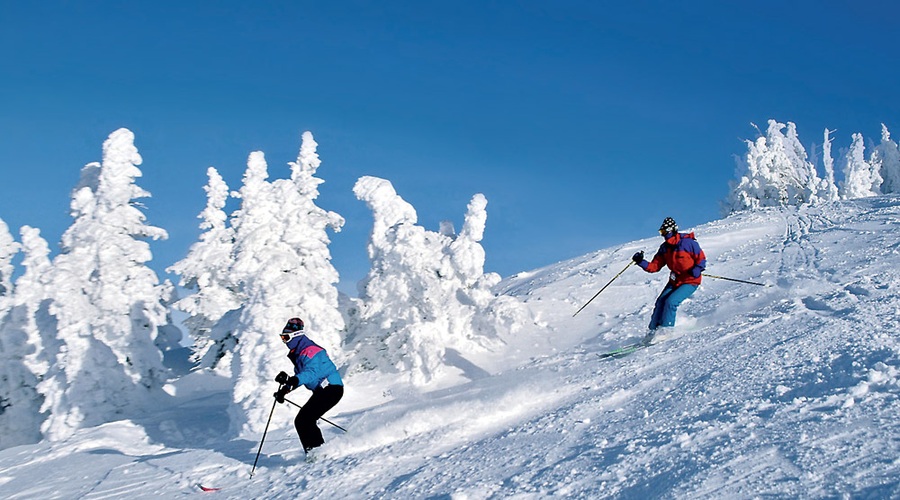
column 686, row 261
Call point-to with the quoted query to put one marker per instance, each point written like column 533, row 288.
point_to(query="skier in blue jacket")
column 314, row 370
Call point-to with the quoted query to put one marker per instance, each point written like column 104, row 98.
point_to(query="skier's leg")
column 671, row 303
column 657, row 316
column 305, row 423
column 330, row 396
column 322, row 400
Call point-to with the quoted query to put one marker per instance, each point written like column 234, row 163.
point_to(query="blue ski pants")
column 667, row 304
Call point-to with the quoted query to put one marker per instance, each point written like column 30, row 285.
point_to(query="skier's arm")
column 654, row 265
column 700, row 259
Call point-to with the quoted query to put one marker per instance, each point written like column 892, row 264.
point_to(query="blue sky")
column 584, row 123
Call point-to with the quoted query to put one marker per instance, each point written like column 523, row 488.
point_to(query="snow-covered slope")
column 789, row 390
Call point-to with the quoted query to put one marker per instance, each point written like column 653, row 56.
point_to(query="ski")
column 647, row 341
column 207, row 489
column 624, row 351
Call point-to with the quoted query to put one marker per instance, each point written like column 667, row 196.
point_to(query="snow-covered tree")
column 861, row 178
column 425, row 291
column 8, row 249
column 26, row 336
column 30, row 312
column 803, row 176
column 207, row 271
column 885, row 160
column 774, row 172
column 18, row 413
column 283, row 265
column 106, row 300
column 828, row 190
column 488, row 315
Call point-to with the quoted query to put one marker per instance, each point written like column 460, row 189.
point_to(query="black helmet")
column 668, row 226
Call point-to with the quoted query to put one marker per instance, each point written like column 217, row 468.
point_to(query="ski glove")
column 292, row 382
column 638, row 257
column 696, row 271
column 281, row 393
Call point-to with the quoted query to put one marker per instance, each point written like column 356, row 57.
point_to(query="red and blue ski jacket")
column 682, row 255
column 312, row 366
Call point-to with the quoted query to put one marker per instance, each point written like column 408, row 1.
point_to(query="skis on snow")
column 624, row 351
column 649, row 340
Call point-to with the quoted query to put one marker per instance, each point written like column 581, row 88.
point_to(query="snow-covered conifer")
column 283, row 265
column 424, row 289
column 26, row 335
column 861, row 178
column 774, row 172
column 828, row 190
column 18, row 411
column 489, row 315
column 314, row 281
column 802, row 172
column 30, row 312
column 106, row 300
column 206, row 270
column 885, row 160
column 8, row 249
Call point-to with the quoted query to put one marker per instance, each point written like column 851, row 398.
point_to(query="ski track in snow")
column 789, row 391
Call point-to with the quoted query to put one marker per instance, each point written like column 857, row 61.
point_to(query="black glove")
column 281, row 378
column 638, row 257
column 281, row 393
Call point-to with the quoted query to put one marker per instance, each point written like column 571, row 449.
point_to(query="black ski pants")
column 322, row 400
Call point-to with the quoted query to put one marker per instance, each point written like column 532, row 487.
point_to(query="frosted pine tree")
column 18, row 398
column 399, row 330
column 487, row 314
column 861, row 178
column 8, row 249
column 26, row 336
column 107, row 302
column 886, row 161
column 206, row 271
column 774, row 172
column 31, row 303
column 425, row 292
column 313, row 283
column 802, row 172
column 282, row 260
column 828, row 190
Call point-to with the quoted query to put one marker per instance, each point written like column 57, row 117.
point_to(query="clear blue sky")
column 584, row 123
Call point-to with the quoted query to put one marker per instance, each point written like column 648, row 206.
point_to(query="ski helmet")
column 293, row 328
column 668, row 226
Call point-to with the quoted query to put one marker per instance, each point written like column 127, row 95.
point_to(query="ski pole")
column 604, row 288
column 263, row 440
column 322, row 418
column 732, row 279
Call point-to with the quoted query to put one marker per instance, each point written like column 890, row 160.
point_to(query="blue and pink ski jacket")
column 683, row 256
column 312, row 366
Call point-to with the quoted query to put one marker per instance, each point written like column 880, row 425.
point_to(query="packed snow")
column 786, row 389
